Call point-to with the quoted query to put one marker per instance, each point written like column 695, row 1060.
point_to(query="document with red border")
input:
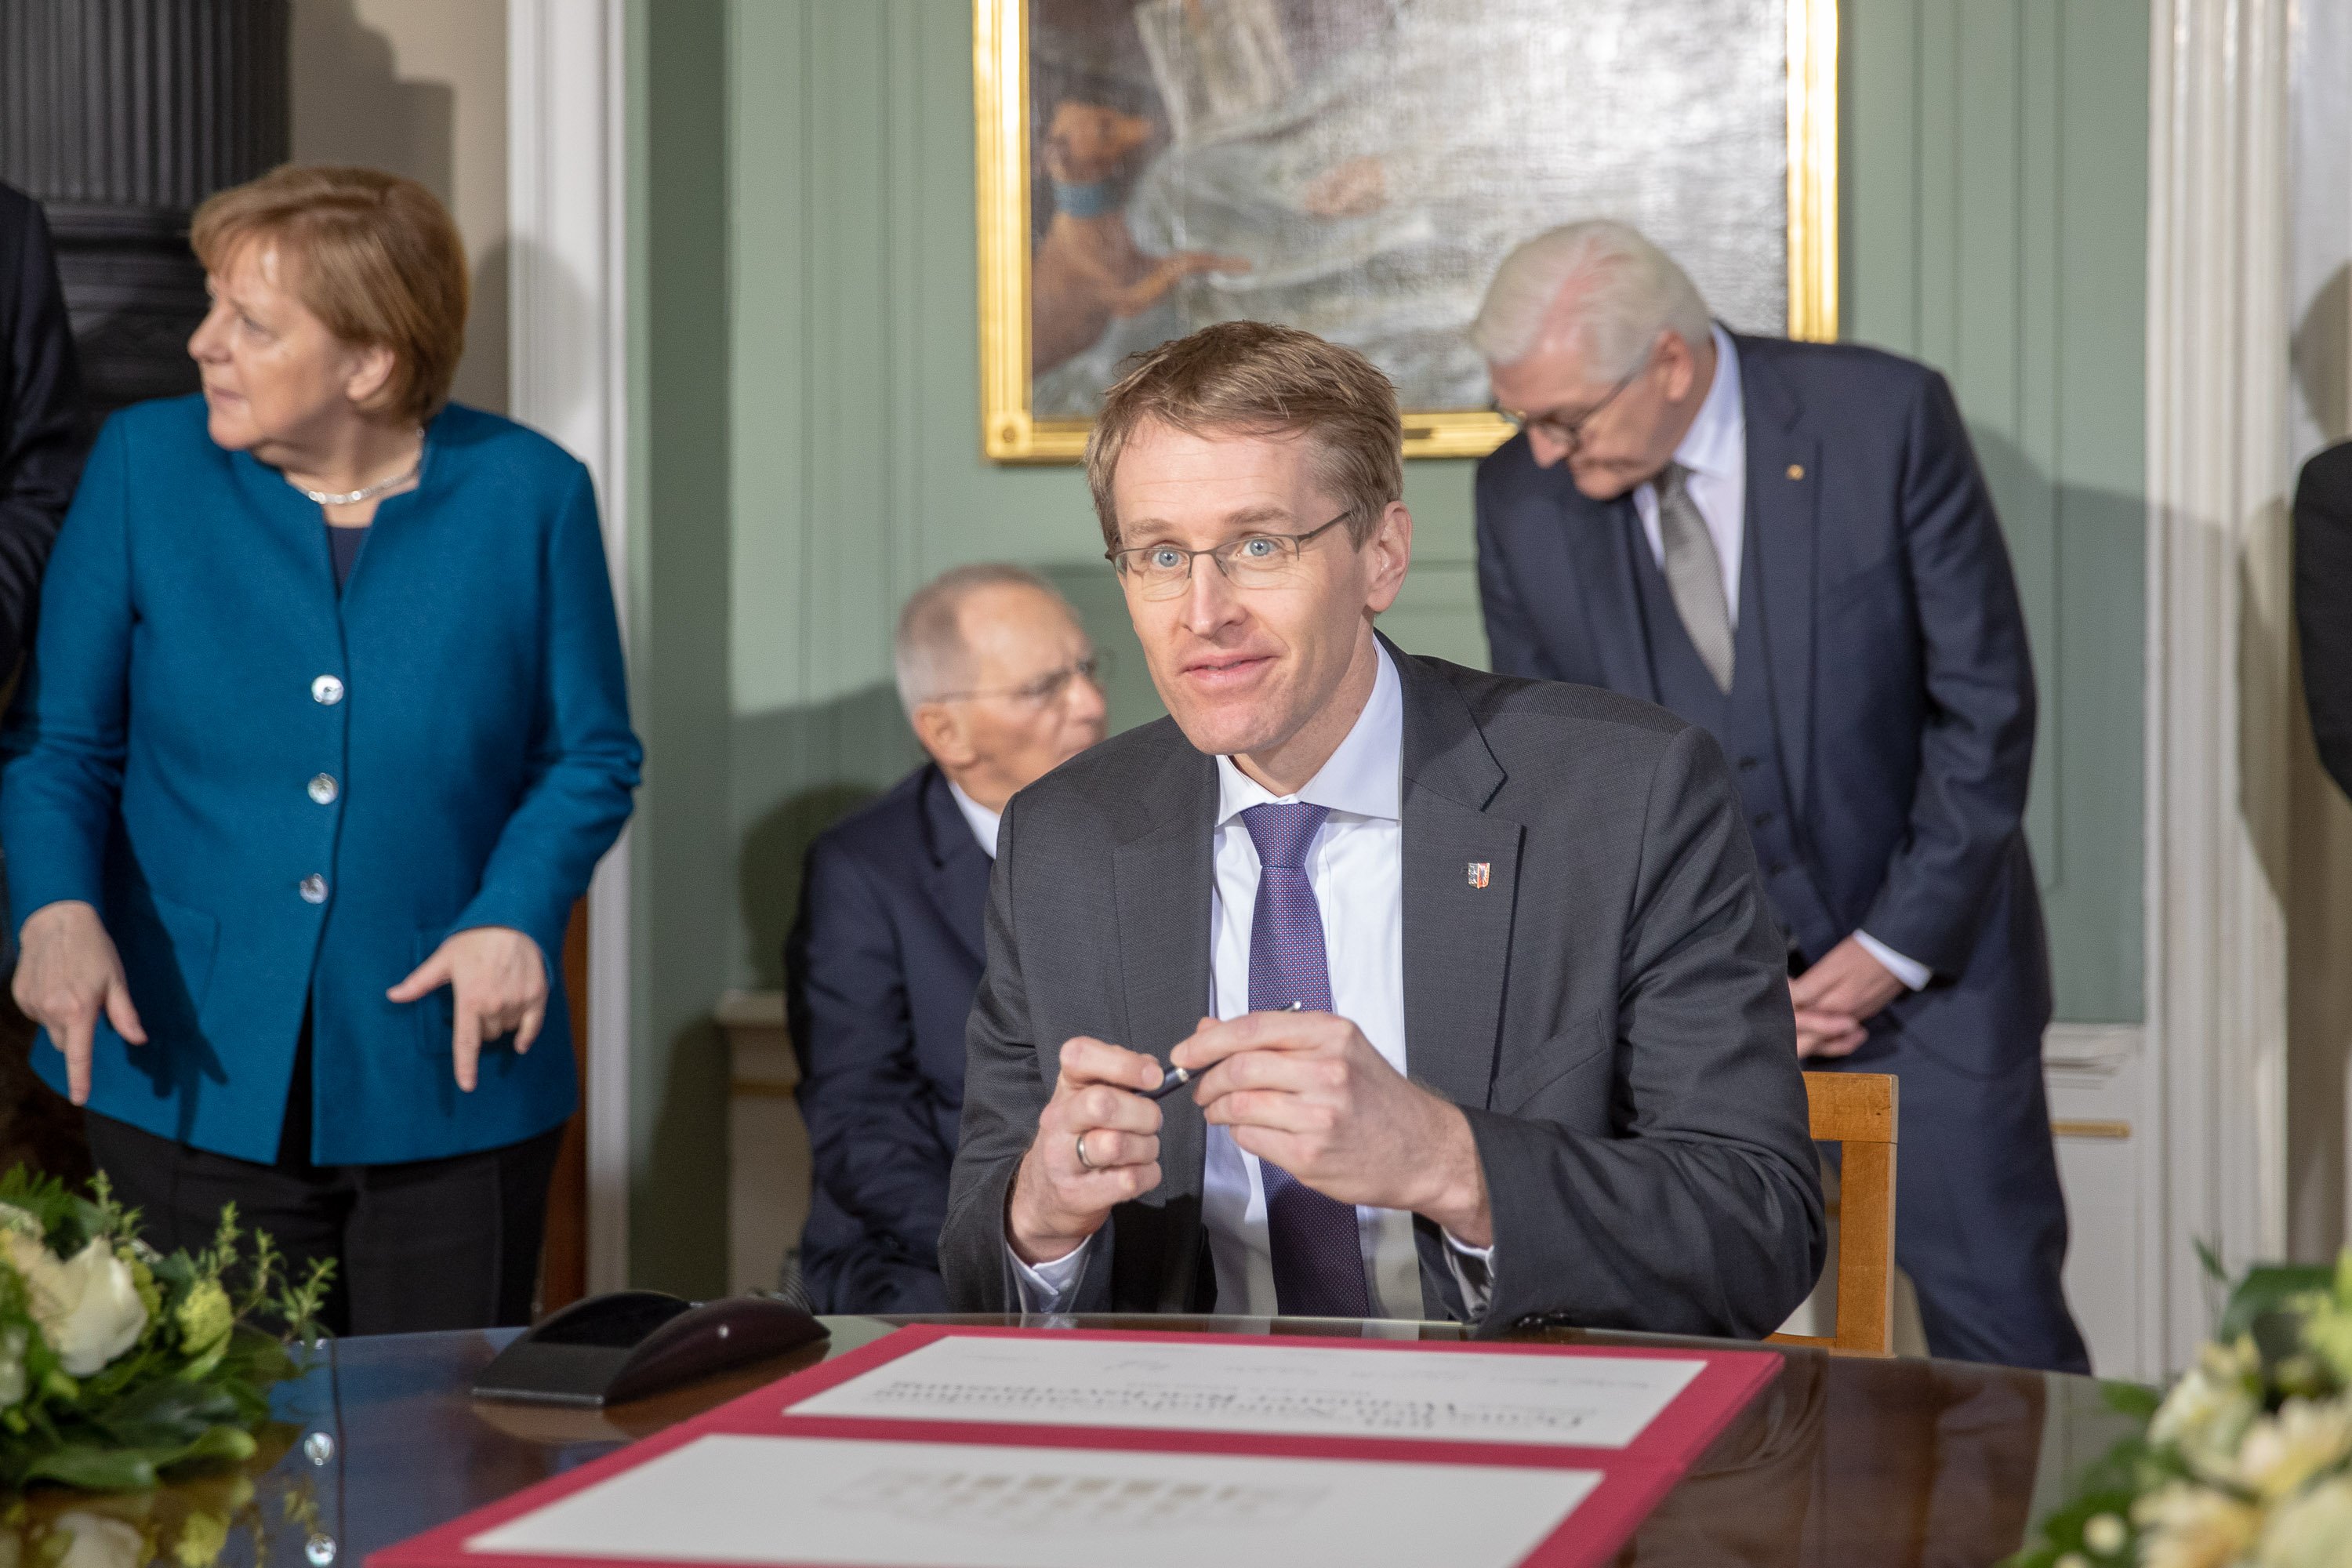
column 941, row 1446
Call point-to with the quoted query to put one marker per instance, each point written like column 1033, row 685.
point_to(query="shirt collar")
column 981, row 820
column 1361, row 778
column 1716, row 443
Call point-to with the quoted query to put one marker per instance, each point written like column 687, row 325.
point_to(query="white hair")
column 1626, row 292
column 928, row 654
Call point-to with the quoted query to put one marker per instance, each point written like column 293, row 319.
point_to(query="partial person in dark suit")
column 2322, row 604
column 41, row 443
column 999, row 681
column 40, row 416
column 1486, row 1009
column 1791, row 544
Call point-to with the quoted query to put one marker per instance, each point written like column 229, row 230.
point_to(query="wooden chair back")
column 1855, row 1110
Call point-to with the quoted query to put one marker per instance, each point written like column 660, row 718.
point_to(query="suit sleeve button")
column 326, row 690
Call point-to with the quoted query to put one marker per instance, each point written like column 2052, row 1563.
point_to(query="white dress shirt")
column 1356, row 866
column 1715, row 450
column 981, row 820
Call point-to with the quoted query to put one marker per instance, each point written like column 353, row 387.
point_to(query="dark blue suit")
column 1883, row 756
column 880, row 970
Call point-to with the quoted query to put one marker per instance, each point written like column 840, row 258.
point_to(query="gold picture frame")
column 1011, row 433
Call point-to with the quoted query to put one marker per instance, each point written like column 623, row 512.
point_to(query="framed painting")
column 1359, row 168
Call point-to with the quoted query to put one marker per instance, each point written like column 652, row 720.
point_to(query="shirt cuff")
column 1047, row 1287
column 1913, row 974
column 1473, row 1271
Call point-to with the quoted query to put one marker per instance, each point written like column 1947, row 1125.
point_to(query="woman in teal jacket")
column 325, row 729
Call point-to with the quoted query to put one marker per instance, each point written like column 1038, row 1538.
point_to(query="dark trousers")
column 426, row 1245
column 1979, row 1221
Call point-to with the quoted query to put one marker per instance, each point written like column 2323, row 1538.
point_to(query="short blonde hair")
column 1253, row 378
column 373, row 256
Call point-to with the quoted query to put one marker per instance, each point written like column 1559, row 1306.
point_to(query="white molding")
column 2218, row 640
column 2091, row 1047
column 566, row 159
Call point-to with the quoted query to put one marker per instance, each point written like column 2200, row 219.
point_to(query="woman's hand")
column 499, row 981
column 68, row 974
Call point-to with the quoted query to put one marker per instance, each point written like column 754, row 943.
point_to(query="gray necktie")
column 1695, row 574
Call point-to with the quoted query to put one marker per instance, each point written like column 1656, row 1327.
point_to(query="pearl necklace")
column 366, row 492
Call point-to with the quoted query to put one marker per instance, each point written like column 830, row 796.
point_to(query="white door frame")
column 568, row 234
column 2219, row 630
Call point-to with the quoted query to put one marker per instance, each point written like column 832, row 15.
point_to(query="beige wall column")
column 419, row 87
column 2220, row 698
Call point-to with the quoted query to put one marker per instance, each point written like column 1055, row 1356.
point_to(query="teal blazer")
column 280, row 800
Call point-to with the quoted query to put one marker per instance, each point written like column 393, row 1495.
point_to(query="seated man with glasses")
column 1364, row 985
column 1000, row 684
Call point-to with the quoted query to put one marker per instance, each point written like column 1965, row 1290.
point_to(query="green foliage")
column 2265, row 1291
column 177, row 1383
column 2284, row 1333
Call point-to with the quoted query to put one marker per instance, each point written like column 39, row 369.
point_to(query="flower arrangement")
column 119, row 1364
column 2247, row 1462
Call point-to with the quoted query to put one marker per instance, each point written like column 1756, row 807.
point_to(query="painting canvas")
column 1358, row 167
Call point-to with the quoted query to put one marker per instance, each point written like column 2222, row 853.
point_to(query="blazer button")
column 313, row 889
column 322, row 789
column 327, row 691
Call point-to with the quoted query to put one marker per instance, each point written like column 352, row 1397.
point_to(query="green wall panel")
column 1994, row 223
column 682, row 849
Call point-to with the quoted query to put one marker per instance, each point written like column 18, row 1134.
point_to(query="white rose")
column 89, row 1307
column 2105, row 1533
column 2303, row 1440
column 94, row 1540
column 2190, row 1526
column 2204, row 1417
column 2314, row 1531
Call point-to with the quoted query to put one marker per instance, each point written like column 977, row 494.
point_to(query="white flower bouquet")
column 119, row 1364
column 2247, row 1462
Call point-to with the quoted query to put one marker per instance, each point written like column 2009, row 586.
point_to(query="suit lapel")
column 956, row 879
column 1461, row 889
column 1597, row 537
column 1784, row 481
column 1161, row 879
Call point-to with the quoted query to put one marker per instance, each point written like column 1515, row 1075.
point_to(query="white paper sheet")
column 858, row 1504
column 1593, row 1402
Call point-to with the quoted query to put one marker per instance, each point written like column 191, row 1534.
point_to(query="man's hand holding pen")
column 1305, row 1091
column 1097, row 1145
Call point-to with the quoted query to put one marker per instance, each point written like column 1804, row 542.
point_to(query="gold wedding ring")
column 1089, row 1165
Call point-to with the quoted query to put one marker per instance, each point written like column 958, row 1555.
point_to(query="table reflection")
column 1840, row 1461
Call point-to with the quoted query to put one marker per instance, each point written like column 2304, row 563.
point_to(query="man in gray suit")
column 1481, row 1007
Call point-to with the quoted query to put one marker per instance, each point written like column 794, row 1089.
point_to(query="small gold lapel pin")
column 1479, row 873
column 1796, row 470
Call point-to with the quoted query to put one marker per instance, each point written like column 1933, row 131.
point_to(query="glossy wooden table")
column 1842, row 1461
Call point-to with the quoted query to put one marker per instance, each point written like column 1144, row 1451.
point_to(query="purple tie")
column 1319, row 1259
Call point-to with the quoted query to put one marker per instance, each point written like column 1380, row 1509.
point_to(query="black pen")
column 1178, row 1077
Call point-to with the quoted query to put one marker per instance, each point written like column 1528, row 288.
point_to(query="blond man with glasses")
column 1364, row 985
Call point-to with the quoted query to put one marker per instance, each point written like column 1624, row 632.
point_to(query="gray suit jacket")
column 1612, row 1010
